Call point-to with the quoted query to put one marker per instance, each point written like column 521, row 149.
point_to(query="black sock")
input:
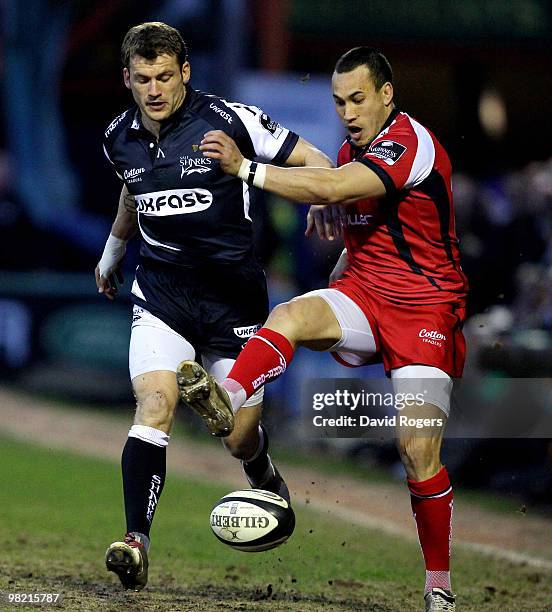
column 256, row 468
column 144, row 468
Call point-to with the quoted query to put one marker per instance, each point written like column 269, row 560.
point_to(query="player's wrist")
column 113, row 253
column 243, row 171
column 252, row 173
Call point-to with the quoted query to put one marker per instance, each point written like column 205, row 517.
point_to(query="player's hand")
column 326, row 220
column 218, row 145
column 339, row 267
column 108, row 271
column 108, row 284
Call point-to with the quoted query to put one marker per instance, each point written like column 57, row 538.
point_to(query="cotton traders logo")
column 432, row 336
column 191, row 165
column 173, row 202
column 388, row 150
column 133, row 175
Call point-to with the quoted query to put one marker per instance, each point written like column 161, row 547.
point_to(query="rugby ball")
column 252, row 520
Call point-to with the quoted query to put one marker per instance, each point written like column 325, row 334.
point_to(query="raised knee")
column 283, row 312
column 155, row 409
column 287, row 318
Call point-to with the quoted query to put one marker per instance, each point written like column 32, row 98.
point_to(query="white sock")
column 149, row 434
column 236, row 393
column 437, row 579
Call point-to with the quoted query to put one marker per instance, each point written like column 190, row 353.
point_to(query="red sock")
column 265, row 357
column 432, row 503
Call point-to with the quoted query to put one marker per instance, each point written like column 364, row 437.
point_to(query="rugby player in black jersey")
column 195, row 229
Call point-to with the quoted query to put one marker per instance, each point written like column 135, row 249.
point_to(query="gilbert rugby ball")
column 252, row 520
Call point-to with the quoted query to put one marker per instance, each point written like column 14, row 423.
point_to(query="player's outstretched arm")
column 107, row 271
column 325, row 220
column 333, row 186
column 306, row 154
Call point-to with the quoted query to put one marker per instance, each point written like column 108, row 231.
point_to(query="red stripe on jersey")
column 404, row 246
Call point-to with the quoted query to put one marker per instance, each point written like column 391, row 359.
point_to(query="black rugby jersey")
column 189, row 210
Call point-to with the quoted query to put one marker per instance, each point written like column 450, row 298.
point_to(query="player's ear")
column 186, row 72
column 387, row 93
column 126, row 77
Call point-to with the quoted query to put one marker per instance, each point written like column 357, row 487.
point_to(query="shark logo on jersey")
column 271, row 126
column 388, row 150
column 191, row 165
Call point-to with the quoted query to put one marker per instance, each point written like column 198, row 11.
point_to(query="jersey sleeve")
column 106, row 153
column 344, row 154
column 271, row 141
column 402, row 157
column 109, row 137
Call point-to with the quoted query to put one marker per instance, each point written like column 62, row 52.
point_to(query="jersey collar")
column 137, row 127
column 189, row 98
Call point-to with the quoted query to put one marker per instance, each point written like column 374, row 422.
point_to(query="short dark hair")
column 152, row 39
column 378, row 65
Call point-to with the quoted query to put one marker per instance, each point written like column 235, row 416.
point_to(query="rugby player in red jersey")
column 400, row 295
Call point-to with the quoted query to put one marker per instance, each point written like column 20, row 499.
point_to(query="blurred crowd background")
column 476, row 72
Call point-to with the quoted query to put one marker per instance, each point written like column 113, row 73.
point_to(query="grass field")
column 60, row 511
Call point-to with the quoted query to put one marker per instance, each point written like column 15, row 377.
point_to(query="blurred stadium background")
column 476, row 72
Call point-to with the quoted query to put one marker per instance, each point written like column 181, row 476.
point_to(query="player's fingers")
column 97, row 276
column 343, row 215
column 337, row 220
column 120, row 276
column 310, row 225
column 212, row 154
column 319, row 223
column 328, row 223
column 211, row 146
column 215, row 134
column 215, row 137
column 103, row 284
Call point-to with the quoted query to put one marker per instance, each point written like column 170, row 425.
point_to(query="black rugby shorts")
column 216, row 307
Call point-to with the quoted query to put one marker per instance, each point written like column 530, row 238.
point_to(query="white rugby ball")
column 252, row 520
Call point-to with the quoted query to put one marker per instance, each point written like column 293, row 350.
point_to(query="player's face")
column 361, row 107
column 157, row 85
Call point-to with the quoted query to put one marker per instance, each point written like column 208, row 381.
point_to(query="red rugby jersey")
column 404, row 246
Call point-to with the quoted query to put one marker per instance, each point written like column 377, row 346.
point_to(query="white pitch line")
column 374, row 522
